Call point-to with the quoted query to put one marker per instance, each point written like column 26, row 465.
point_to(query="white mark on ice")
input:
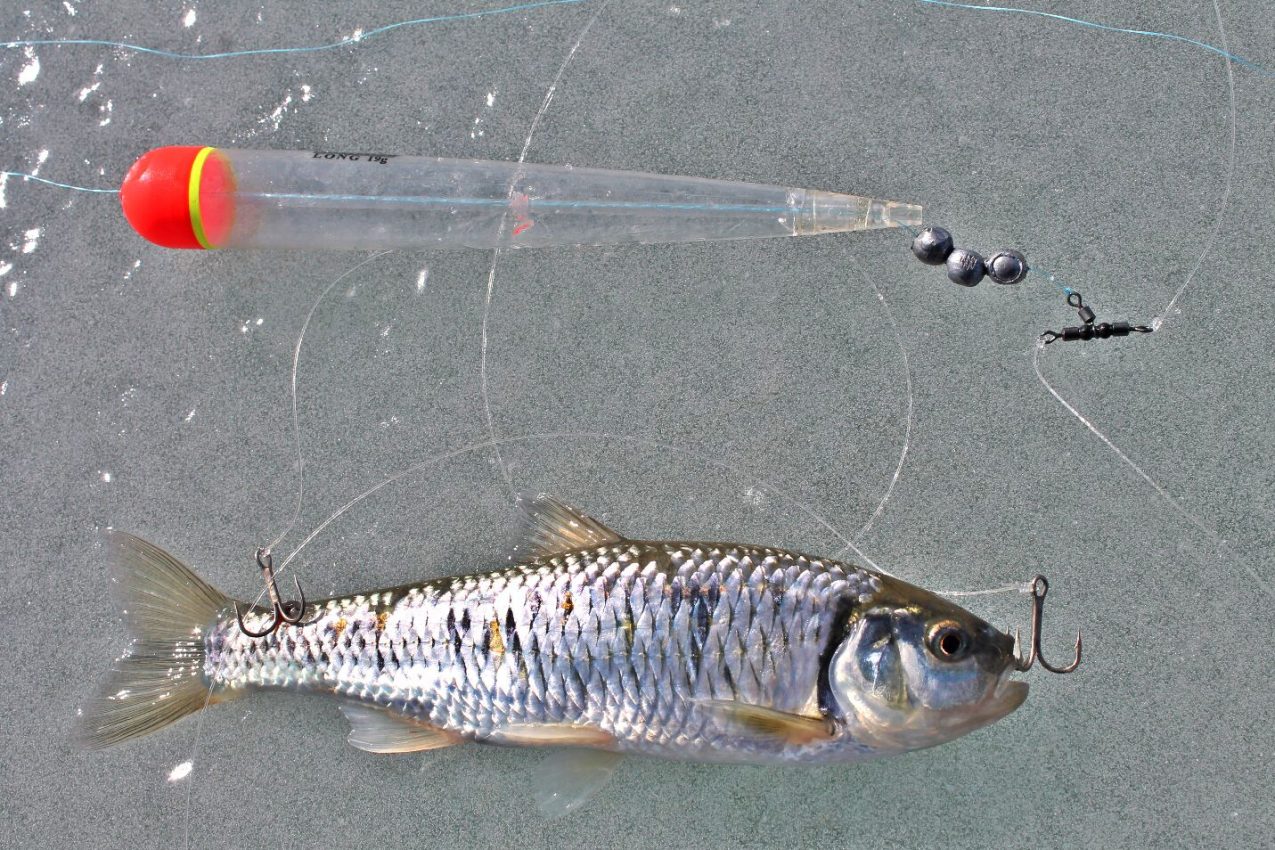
column 491, row 99
column 755, row 496
column 306, row 93
column 191, row 415
column 275, row 118
column 106, row 110
column 420, row 278
column 40, row 159
column 5, row 268
column 385, row 331
column 88, row 90
column 182, row 770
column 188, row 20
column 32, row 238
column 13, row 289
column 720, row 23
column 137, row 264
column 259, row 321
column 105, row 476
column 70, row 10
column 4, row 181
column 31, row 70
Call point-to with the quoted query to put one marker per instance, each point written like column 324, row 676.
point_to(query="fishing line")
column 1224, row 201
column 523, row 7
column 26, row 177
column 296, row 423
column 504, row 218
column 315, row 48
column 1024, row 587
column 581, row 435
column 1166, row 36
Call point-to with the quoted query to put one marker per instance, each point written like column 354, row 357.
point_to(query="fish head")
column 913, row 670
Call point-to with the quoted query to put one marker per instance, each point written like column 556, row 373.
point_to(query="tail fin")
column 161, row 679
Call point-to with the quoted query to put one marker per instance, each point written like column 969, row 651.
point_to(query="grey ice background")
column 147, row 390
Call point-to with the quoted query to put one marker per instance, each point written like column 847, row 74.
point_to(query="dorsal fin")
column 551, row 527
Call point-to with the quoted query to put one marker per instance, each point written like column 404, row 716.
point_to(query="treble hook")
column 290, row 612
column 1040, row 587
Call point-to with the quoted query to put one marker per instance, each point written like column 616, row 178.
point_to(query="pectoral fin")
column 378, row 730
column 568, row 779
column 796, row 729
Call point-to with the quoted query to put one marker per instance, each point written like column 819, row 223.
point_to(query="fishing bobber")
column 204, row 197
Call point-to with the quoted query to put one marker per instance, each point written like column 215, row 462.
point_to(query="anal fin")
column 783, row 726
column 379, row 730
column 568, row 779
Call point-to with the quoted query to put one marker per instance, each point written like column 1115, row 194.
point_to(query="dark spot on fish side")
column 452, row 631
column 567, row 605
column 511, row 628
column 701, row 624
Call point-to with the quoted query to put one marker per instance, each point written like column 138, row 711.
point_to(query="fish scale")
column 629, row 638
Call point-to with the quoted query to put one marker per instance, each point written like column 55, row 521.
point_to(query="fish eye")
column 948, row 641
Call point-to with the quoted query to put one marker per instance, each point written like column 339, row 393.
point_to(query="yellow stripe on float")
column 192, row 195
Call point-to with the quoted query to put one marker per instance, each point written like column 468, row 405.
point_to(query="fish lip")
column 1010, row 694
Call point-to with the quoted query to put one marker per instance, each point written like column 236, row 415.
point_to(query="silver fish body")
column 697, row 651
column 639, row 640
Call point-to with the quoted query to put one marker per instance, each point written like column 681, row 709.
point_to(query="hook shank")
column 290, row 612
column 1040, row 588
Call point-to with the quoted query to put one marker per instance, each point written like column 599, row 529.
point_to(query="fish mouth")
column 1009, row 695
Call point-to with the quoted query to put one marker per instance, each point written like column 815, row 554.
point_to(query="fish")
column 591, row 642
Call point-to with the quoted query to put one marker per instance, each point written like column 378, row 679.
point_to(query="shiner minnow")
column 693, row 651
